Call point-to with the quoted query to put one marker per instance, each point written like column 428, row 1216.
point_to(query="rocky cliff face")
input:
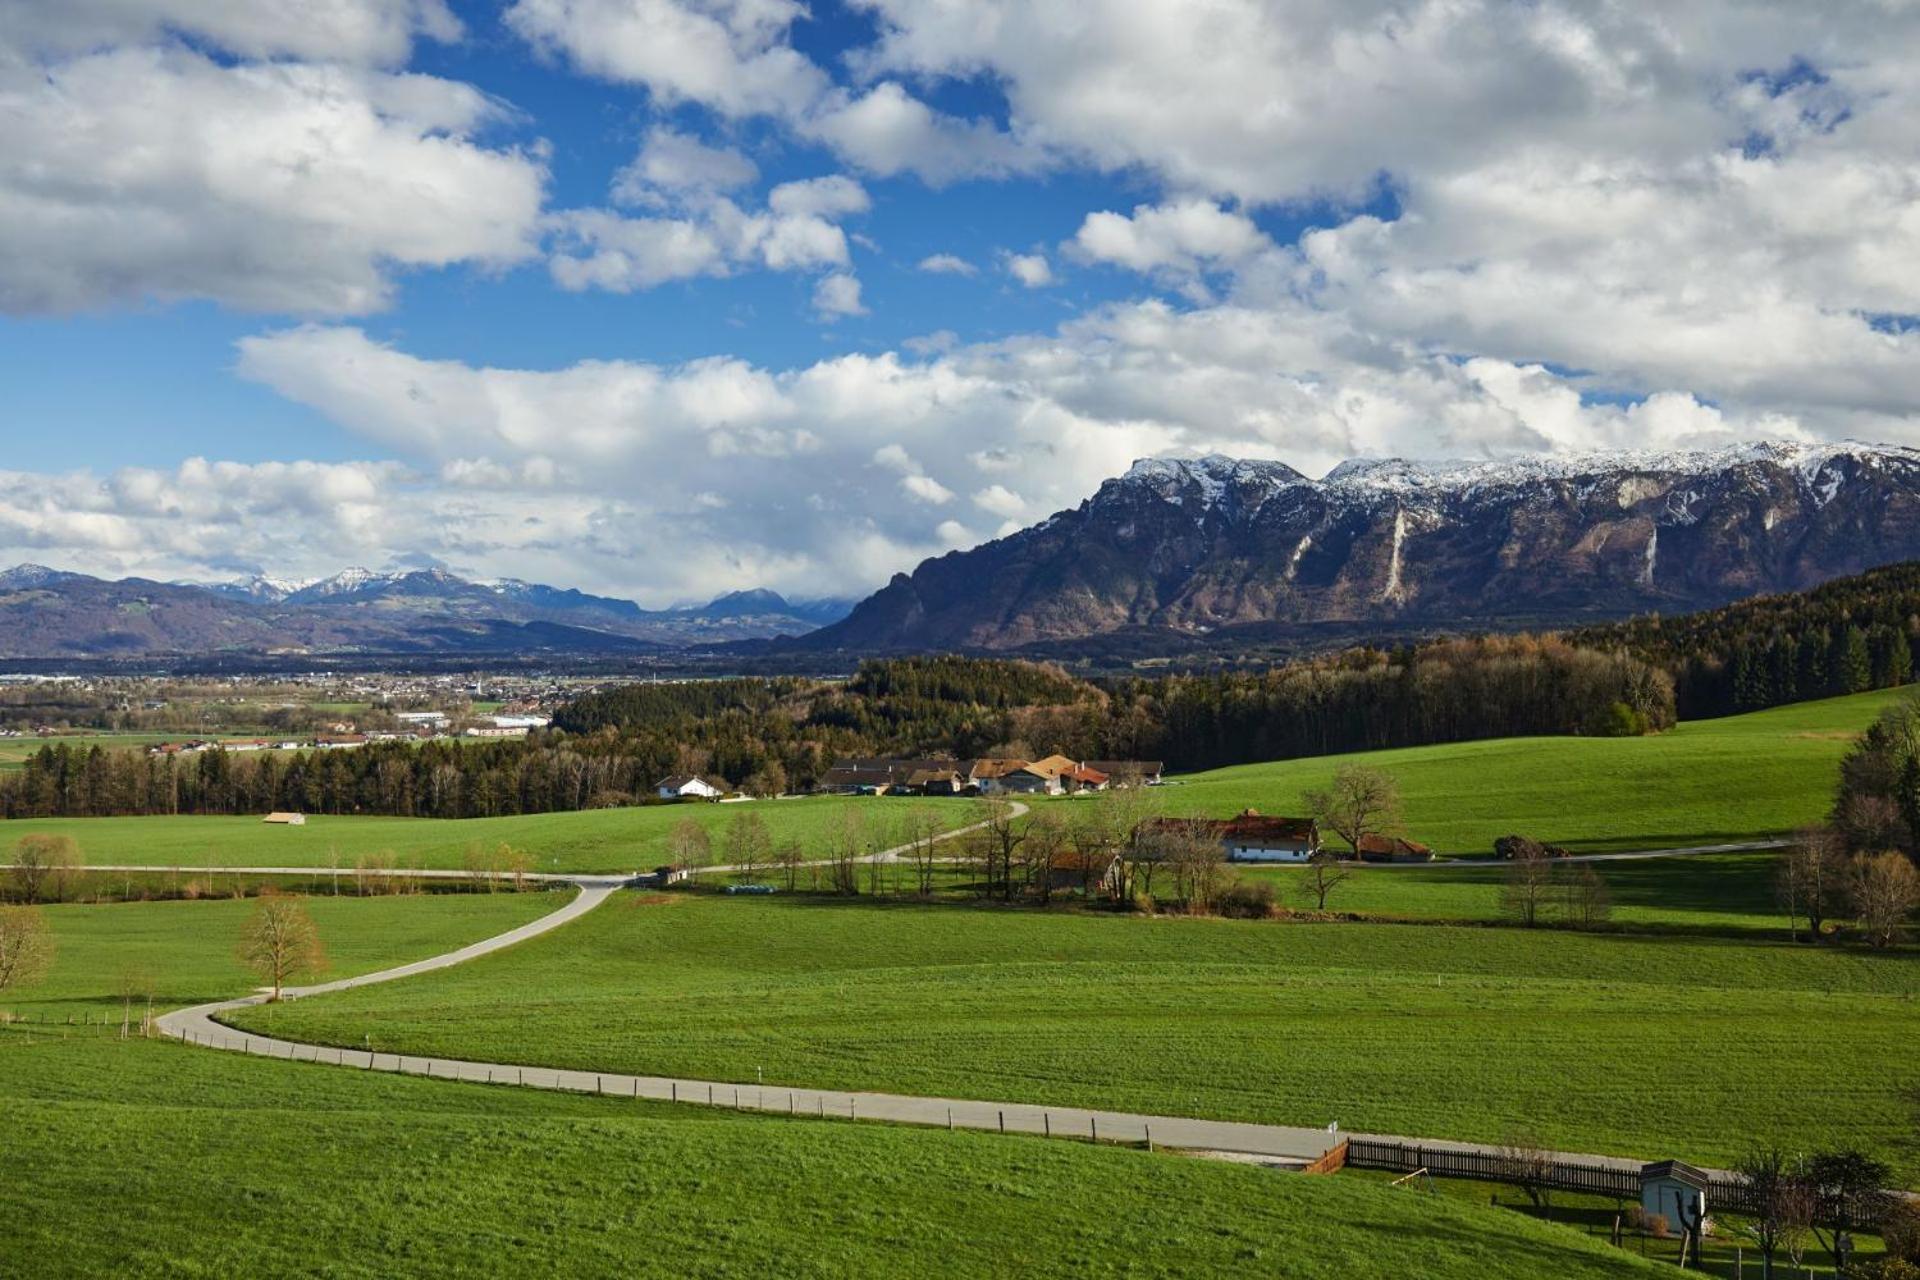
column 1190, row 546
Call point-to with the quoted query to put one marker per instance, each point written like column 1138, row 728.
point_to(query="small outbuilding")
column 1677, row 1192
column 1377, row 848
column 279, row 819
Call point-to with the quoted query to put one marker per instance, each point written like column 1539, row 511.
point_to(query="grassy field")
column 1644, row 1046
column 1718, row 892
column 184, row 951
column 597, row 840
column 145, row 1159
column 1707, row 782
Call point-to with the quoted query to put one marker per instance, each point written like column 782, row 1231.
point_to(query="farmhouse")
column 878, row 775
column 280, row 819
column 1248, row 836
column 1014, row 777
column 689, row 786
column 1126, row 773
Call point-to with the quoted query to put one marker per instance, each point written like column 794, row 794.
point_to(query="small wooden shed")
column 279, row 819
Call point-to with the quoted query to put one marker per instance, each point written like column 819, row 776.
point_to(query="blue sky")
column 632, row 294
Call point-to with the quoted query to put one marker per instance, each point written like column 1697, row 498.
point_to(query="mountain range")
column 47, row 613
column 1179, row 552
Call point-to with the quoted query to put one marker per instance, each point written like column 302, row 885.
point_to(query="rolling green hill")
column 1704, row 782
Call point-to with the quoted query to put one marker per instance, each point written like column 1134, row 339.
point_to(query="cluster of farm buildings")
column 1248, row 836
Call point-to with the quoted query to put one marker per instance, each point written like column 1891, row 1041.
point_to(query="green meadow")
column 629, row 839
column 151, row 1158
column 184, row 953
column 1704, row 782
column 1648, row 1046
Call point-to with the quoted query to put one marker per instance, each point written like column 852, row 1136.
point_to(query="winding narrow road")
column 200, row 1025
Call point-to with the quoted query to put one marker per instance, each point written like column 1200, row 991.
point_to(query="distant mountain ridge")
column 1183, row 548
column 50, row 613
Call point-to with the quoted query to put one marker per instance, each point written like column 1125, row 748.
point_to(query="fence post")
column 1093, row 1127
column 1149, row 1129
column 1046, row 1123
column 1003, row 1122
column 674, row 1087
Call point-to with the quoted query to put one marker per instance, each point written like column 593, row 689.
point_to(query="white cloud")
column 834, row 196
column 1185, row 237
column 1030, row 269
column 947, row 264
column 733, row 57
column 370, row 32
column 1000, row 501
column 672, row 165
column 702, row 233
column 838, row 295
column 163, row 174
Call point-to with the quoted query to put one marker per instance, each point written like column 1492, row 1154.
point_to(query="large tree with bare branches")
column 280, row 942
column 1361, row 802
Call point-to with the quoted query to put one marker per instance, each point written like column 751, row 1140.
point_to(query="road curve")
column 199, row 1025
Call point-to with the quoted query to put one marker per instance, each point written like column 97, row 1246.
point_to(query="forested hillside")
column 1847, row 636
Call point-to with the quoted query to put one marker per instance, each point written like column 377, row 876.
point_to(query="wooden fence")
column 1725, row 1193
column 1332, row 1162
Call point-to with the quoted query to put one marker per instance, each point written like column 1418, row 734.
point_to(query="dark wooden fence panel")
column 1724, row 1193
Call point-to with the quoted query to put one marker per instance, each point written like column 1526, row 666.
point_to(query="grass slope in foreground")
column 631, row 839
column 150, row 1159
column 1704, row 782
column 1642, row 1046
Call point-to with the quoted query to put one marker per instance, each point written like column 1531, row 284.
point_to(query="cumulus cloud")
column 163, row 173
column 1183, row 237
column 734, row 57
column 947, row 264
column 672, row 165
column 370, row 32
column 838, row 295
column 1030, row 269
column 702, row 233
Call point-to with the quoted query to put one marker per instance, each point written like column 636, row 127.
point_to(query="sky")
column 667, row 298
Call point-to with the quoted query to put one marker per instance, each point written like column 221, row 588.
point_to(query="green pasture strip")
column 1648, row 1046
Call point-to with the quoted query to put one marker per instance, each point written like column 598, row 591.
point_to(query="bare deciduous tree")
column 789, row 857
column 280, row 943
column 923, row 835
column 1810, row 878
column 1884, row 889
column 1524, row 896
column 1195, row 855
column 1323, row 873
column 1585, row 902
column 749, row 845
column 26, row 947
column 1047, row 840
column 1361, row 802
column 846, row 840
column 1527, row 1164
column 1780, row 1202
column 688, row 845
column 42, row 864
column 996, row 841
